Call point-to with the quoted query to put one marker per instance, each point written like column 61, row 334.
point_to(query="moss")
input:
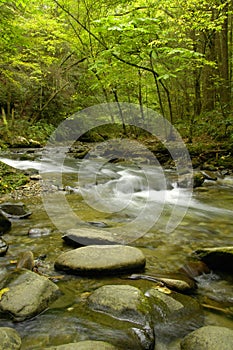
column 10, row 178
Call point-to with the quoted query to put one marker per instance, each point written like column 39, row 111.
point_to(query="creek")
column 136, row 202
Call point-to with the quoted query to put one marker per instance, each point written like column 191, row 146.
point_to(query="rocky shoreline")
column 211, row 163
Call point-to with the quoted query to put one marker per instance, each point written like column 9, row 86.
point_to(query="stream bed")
column 135, row 202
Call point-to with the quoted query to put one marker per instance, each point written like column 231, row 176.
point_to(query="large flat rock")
column 88, row 236
column 101, row 259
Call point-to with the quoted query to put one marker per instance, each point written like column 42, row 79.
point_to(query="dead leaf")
column 3, row 291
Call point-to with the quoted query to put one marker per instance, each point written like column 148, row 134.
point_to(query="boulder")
column 5, row 223
column 127, row 304
column 73, row 327
column 96, row 260
column 85, row 345
column 88, row 236
column 3, row 247
column 220, row 258
column 15, row 210
column 25, row 294
column 209, row 338
column 179, row 313
column 9, row 339
column 123, row 302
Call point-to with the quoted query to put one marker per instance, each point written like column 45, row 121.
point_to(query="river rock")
column 26, row 261
column 5, row 223
column 35, row 177
column 220, row 258
column 85, row 345
column 101, row 259
column 87, row 236
column 26, row 294
column 3, row 247
column 209, row 338
column 99, row 224
column 209, row 175
column 180, row 282
column 129, row 304
column 179, row 313
column 198, row 179
column 124, row 302
column 9, row 339
column 38, row 232
column 194, row 269
column 15, row 210
column 21, row 141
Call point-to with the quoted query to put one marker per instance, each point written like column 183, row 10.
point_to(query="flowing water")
column 144, row 207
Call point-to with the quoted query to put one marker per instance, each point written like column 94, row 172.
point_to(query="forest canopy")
column 60, row 56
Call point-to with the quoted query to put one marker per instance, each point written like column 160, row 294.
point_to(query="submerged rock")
column 26, row 294
column 3, row 247
column 9, row 339
column 5, row 223
column 96, row 260
column 124, row 302
column 220, row 258
column 179, row 314
column 88, row 236
column 38, row 232
column 209, row 338
column 100, row 224
column 15, row 210
column 85, row 345
column 194, row 269
column 26, row 261
column 179, row 283
column 209, row 175
column 127, row 304
column 198, row 179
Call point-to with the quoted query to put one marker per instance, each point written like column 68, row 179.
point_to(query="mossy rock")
column 11, row 178
column 209, row 338
column 123, row 302
column 219, row 258
column 9, row 339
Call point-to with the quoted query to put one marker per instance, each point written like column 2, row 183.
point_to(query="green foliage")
column 38, row 132
column 10, row 179
column 58, row 57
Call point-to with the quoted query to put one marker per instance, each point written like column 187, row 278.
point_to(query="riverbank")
column 212, row 156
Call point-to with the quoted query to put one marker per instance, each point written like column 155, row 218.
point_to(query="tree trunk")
column 209, row 73
column 223, row 64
